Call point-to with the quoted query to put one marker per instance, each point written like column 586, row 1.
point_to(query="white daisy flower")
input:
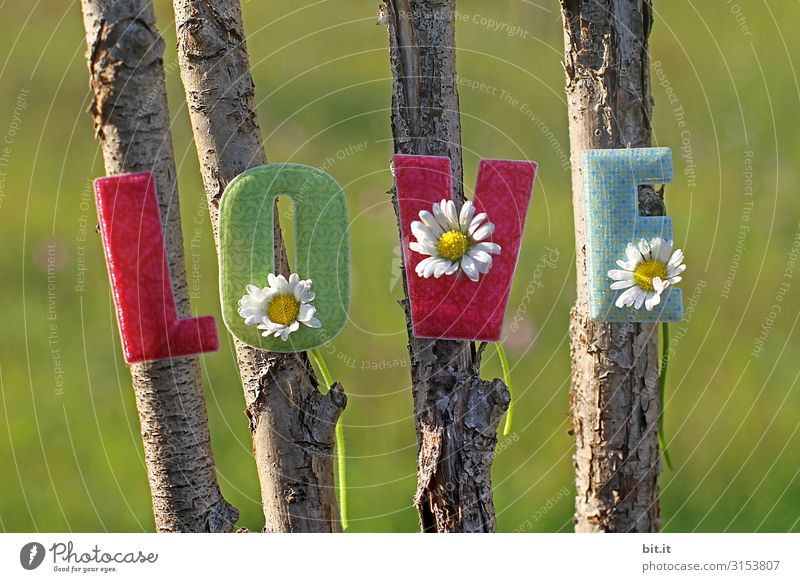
column 453, row 241
column 280, row 308
column 651, row 268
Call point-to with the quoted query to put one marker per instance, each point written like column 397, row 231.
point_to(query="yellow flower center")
column 453, row 245
column 645, row 273
column 284, row 309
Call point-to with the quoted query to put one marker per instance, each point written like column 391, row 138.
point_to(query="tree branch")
column 292, row 424
column 131, row 120
column 456, row 412
column 614, row 396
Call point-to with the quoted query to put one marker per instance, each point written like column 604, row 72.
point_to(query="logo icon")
column 31, row 555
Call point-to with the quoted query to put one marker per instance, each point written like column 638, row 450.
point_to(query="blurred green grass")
column 73, row 458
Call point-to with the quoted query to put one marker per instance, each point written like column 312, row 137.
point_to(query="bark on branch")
column 292, row 424
column 131, row 121
column 456, row 412
column 614, row 397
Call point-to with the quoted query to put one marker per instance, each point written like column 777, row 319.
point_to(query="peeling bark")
column 131, row 121
column 456, row 412
column 292, row 424
column 614, row 396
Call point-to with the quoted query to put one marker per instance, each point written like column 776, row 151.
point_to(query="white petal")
column 281, row 285
column 676, row 259
column 450, row 213
column 423, row 264
column 655, row 246
column 640, row 298
column 272, row 280
column 271, row 328
column 306, row 312
column 644, row 248
column 469, row 268
column 622, row 285
column 633, row 254
column 438, row 214
column 483, row 260
column 626, row 265
column 270, row 325
column 250, row 318
column 619, row 275
column 627, row 297
column 440, row 269
column 430, row 268
column 313, row 322
column 423, row 233
column 298, row 290
column 652, row 300
column 250, row 302
column 476, row 222
column 303, row 292
column 417, row 247
column 488, row 247
column 480, row 256
column 673, row 271
column 294, row 327
column 674, row 280
column 431, row 222
column 452, row 268
column 291, row 289
column 467, row 212
column 429, row 249
column 253, row 307
column 659, row 285
column 664, row 251
column 483, row 232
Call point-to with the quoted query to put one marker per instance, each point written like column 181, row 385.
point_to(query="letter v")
column 453, row 306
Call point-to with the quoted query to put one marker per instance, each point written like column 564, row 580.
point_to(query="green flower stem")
column 501, row 353
column 340, row 452
column 662, row 382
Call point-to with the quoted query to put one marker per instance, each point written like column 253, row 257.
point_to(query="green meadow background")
column 726, row 100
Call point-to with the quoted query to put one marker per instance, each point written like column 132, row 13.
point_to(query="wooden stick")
column 614, row 397
column 131, row 121
column 291, row 422
column 456, row 412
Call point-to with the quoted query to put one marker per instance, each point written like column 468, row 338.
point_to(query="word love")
column 459, row 262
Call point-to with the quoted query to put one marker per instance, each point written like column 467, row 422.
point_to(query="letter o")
column 322, row 248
